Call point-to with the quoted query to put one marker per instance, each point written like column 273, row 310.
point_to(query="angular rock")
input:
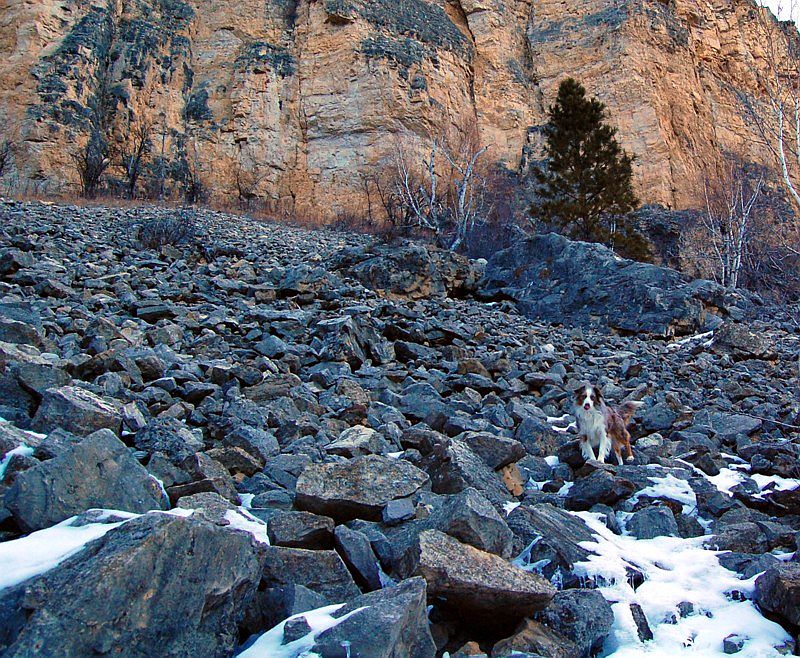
column 599, row 487
column 469, row 517
column 322, row 572
column 455, row 468
column 358, row 488
column 390, row 623
column 777, row 593
column 100, row 471
column 582, row 616
column 533, row 638
column 356, row 551
column 471, row 582
column 357, row 441
column 653, row 521
column 496, row 451
column 76, row 410
column 300, row 530
column 157, row 585
column 550, row 276
column 169, row 437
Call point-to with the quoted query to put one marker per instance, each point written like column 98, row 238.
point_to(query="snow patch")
column 551, row 461
column 270, row 644
column 672, row 488
column 510, row 507
column 22, row 450
column 42, row 550
column 247, row 500
column 676, row 570
column 774, row 482
column 552, row 420
column 241, row 519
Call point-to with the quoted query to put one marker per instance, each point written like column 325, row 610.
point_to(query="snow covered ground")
column 677, row 572
column 691, row 601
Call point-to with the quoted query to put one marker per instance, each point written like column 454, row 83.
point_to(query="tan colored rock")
column 294, row 102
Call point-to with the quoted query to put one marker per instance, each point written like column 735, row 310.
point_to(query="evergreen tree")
column 585, row 184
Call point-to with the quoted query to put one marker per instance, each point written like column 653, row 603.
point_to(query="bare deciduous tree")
column 775, row 112
column 730, row 198
column 134, row 149
column 91, row 163
column 444, row 193
column 5, row 154
column 246, row 181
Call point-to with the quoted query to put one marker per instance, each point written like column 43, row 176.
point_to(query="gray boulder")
column 389, row 623
column 653, row 521
column 473, row 583
column 778, row 594
column 300, row 530
column 100, row 471
column 358, row 488
column 76, row 410
column 583, row 616
column 599, row 487
column 159, row 585
column 355, row 549
column 579, row 283
column 322, row 572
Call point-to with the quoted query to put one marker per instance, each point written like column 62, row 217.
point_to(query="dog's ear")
column 598, row 393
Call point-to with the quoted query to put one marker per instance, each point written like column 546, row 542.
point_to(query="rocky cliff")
column 295, row 98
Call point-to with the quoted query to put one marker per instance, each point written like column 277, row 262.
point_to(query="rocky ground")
column 269, row 441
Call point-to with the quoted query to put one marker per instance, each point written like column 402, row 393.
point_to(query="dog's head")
column 588, row 397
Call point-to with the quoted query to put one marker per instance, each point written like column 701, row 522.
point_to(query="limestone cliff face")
column 295, row 99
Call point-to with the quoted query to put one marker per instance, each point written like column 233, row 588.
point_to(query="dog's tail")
column 627, row 409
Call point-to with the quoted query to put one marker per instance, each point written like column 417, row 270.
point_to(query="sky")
column 782, row 9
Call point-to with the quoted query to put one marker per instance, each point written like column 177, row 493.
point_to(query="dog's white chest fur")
column 592, row 425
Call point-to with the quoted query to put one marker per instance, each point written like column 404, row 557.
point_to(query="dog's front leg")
column 604, row 448
column 586, row 449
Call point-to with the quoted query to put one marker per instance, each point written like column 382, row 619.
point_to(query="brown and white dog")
column 602, row 427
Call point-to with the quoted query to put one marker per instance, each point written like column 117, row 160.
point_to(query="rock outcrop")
column 296, row 102
column 577, row 283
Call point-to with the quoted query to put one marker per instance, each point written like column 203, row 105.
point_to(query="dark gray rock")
column 169, row 437
column 355, row 549
column 300, row 530
column 474, row 583
column 550, row 277
column 469, row 517
column 100, row 471
column 454, row 467
column 358, row 488
column 582, row 616
column 76, row 410
column 777, row 594
column 599, row 487
column 322, row 572
column 496, row 451
column 653, row 521
column 390, row 623
column 271, row 606
column 157, row 585
column 397, row 511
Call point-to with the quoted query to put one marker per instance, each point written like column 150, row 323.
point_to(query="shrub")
column 176, row 230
